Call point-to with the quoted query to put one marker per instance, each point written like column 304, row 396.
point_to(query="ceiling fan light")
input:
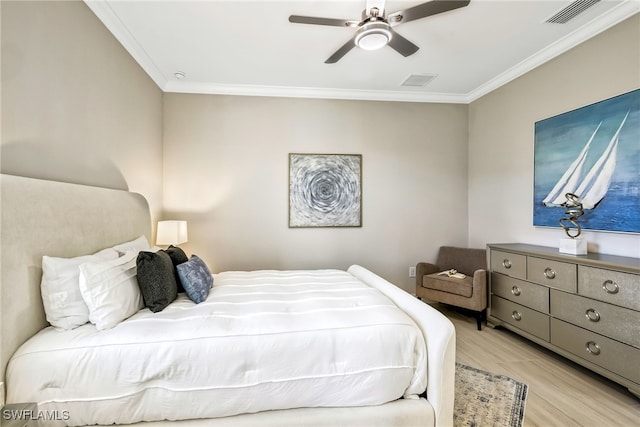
column 372, row 41
column 373, row 36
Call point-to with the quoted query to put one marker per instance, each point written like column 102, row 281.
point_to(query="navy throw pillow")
column 156, row 278
column 196, row 279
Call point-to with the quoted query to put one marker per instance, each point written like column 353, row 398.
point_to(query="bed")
column 65, row 220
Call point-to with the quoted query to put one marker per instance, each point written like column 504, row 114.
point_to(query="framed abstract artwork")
column 592, row 152
column 325, row 190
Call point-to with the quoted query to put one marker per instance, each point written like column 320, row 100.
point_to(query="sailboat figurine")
column 594, row 186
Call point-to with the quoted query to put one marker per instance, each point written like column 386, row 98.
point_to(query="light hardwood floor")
column 561, row 393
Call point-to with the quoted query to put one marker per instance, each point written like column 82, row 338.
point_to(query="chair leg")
column 479, row 319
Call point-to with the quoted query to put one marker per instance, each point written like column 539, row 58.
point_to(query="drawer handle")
column 516, row 316
column 610, row 287
column 592, row 348
column 549, row 273
column 515, row 290
column 506, row 263
column 592, row 315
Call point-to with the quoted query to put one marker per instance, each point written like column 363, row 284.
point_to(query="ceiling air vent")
column 417, row 80
column 571, row 11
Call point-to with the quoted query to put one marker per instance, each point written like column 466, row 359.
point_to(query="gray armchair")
column 469, row 293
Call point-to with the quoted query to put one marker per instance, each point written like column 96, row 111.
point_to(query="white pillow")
column 110, row 290
column 61, row 297
column 137, row 245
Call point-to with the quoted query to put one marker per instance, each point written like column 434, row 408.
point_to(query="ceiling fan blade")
column 297, row 19
column 425, row 9
column 338, row 54
column 403, row 46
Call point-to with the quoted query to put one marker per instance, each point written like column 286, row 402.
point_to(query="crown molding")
column 113, row 23
column 605, row 21
column 305, row 92
column 110, row 19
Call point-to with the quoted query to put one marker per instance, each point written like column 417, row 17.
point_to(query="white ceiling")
column 250, row 48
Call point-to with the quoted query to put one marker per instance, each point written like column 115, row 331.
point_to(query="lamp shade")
column 171, row 232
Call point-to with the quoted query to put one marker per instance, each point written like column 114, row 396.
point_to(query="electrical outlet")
column 412, row 272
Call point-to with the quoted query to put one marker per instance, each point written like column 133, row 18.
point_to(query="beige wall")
column 501, row 129
column 226, row 172
column 75, row 106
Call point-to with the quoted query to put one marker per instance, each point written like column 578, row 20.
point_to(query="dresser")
column 585, row 308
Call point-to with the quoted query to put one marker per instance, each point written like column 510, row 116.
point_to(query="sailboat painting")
column 594, row 153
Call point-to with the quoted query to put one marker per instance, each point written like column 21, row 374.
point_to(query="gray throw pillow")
column 156, row 278
column 196, row 279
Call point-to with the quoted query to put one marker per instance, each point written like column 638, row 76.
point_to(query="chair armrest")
column 479, row 286
column 424, row 268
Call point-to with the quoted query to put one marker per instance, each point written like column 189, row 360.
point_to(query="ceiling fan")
column 375, row 31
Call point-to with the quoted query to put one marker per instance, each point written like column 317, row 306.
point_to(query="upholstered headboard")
column 57, row 219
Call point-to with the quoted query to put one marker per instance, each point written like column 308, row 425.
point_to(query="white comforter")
column 262, row 340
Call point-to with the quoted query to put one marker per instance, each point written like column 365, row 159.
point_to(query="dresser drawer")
column 602, row 351
column 521, row 317
column 524, row 293
column 615, row 322
column 616, row 287
column 555, row 274
column 513, row 265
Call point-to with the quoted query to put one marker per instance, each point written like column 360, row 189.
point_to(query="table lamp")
column 171, row 233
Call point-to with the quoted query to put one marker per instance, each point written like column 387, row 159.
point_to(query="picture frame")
column 594, row 153
column 325, row 190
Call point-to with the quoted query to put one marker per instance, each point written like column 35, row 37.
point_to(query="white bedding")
column 262, row 340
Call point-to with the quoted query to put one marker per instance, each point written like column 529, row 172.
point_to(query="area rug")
column 484, row 399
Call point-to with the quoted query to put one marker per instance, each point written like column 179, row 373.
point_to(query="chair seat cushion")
column 452, row 285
